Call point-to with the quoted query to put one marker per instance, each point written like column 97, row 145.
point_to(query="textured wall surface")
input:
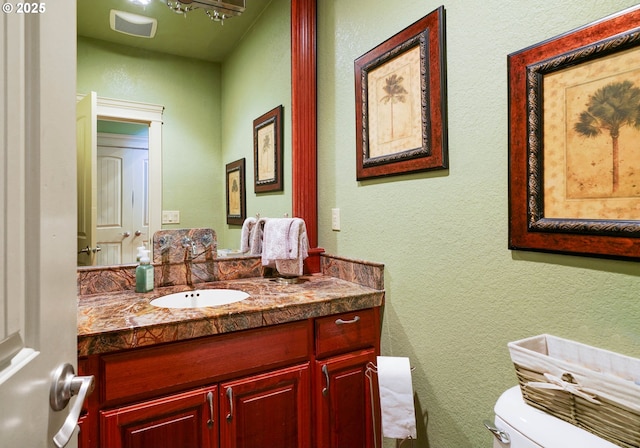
column 208, row 116
column 256, row 78
column 455, row 294
column 190, row 132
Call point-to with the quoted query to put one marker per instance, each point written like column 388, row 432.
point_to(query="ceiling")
column 193, row 35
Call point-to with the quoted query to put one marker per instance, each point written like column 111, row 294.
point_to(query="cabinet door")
column 268, row 410
column 84, row 437
column 183, row 420
column 343, row 405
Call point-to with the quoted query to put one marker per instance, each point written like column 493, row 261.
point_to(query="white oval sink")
column 200, row 298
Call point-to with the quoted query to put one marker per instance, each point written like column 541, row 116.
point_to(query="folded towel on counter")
column 245, row 236
column 285, row 245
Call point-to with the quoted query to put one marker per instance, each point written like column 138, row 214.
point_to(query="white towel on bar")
column 257, row 236
column 245, row 236
column 285, row 245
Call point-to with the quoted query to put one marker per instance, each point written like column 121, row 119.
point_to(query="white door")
column 86, row 141
column 122, row 219
column 38, row 206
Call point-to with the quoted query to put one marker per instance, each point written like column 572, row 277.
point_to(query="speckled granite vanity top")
column 125, row 319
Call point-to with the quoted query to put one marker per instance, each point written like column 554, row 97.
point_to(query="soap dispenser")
column 144, row 274
column 140, row 253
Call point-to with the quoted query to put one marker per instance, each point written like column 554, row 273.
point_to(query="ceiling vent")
column 133, row 24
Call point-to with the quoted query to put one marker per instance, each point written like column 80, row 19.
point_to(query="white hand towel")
column 257, row 237
column 245, row 236
column 285, row 245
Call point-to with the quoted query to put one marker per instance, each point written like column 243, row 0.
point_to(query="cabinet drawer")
column 142, row 373
column 344, row 332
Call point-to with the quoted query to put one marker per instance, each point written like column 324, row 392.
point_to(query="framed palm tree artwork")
column 401, row 102
column 267, row 151
column 574, row 141
column 236, row 192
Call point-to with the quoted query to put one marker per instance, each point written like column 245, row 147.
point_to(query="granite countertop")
column 121, row 320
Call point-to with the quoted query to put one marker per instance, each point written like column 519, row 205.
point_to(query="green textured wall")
column 190, row 91
column 208, row 116
column 256, row 79
column 455, row 294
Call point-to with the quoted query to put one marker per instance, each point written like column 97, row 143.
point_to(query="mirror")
column 174, row 154
column 122, row 172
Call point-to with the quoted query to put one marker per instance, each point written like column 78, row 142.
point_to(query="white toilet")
column 522, row 426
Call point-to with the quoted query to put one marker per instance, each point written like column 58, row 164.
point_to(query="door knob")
column 65, row 385
column 138, row 233
column 126, row 234
column 87, row 250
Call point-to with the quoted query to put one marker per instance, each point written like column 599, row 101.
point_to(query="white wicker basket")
column 594, row 389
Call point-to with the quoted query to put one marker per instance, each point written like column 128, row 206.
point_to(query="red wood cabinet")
column 270, row 410
column 346, row 345
column 343, row 401
column 186, row 420
column 260, row 387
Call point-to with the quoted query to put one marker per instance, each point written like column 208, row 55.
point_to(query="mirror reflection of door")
column 122, row 221
column 119, row 207
column 86, row 142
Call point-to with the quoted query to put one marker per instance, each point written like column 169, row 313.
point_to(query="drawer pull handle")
column 343, row 322
column 230, row 397
column 210, row 401
column 325, row 370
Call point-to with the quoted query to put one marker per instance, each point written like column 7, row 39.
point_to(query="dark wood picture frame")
column 401, row 102
column 236, row 192
column 267, row 151
column 564, row 193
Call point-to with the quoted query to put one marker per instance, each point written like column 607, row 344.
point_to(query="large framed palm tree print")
column 401, row 102
column 574, row 141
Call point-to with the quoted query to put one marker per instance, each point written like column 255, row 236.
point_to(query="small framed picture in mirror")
column 267, row 151
column 236, row 192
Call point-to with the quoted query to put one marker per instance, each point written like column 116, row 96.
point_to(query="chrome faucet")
column 165, row 243
column 188, row 242
column 188, row 258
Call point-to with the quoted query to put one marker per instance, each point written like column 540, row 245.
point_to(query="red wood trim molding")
column 304, row 123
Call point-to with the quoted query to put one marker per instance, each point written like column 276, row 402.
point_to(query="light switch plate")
column 170, row 217
column 335, row 219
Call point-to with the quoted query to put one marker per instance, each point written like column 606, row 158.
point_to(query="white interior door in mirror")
column 122, row 201
column 86, row 143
